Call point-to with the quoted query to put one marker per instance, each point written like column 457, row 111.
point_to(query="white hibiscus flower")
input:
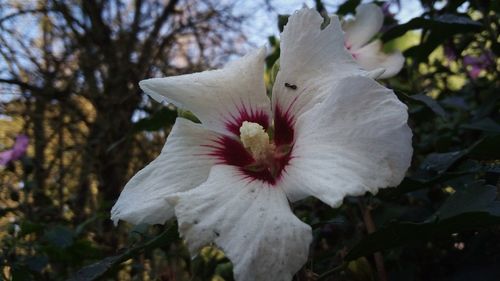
column 328, row 132
column 359, row 31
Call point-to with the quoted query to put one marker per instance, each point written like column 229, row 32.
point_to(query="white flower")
column 328, row 132
column 359, row 31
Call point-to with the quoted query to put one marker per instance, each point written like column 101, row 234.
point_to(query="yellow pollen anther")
column 255, row 139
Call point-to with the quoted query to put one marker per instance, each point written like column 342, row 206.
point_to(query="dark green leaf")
column 431, row 103
column 59, row 236
column 454, row 4
column 81, row 227
column 457, row 21
column 282, row 21
column 450, row 22
column 474, row 198
column 320, row 7
column 348, row 7
column 487, row 149
column 338, row 220
column 21, row 273
column 489, row 105
column 469, row 208
column 160, row 119
column 98, row 269
column 274, row 71
column 437, row 163
column 407, row 185
column 402, row 233
column 36, row 263
column 485, row 124
column 138, row 232
column 439, row 29
column 225, row 270
column 28, row 227
column 455, row 102
column 273, row 57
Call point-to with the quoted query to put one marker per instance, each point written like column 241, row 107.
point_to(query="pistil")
column 255, row 139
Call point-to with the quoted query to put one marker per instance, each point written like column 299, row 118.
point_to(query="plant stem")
column 332, row 271
column 370, row 228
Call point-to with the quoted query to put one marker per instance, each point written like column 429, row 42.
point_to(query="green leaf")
column 98, row 269
column 487, row 149
column 81, row 227
column 225, row 270
column 436, row 164
column 474, row 198
column 489, row 105
column 60, row 236
column 273, row 58
column 431, row 103
column 37, row 263
column 453, row 23
column 469, row 208
column 320, row 7
column 360, row 269
column 402, row 233
column 348, row 7
column 407, row 185
column 440, row 28
column 28, row 227
column 282, row 21
column 160, row 119
column 138, row 232
column 485, row 124
column 21, row 273
column 188, row 115
column 274, row 71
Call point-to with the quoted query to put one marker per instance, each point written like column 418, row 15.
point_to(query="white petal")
column 376, row 73
column 182, row 165
column 371, row 57
column 249, row 220
column 311, row 61
column 356, row 141
column 369, row 19
column 219, row 98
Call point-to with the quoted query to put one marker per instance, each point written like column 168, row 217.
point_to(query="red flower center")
column 231, row 151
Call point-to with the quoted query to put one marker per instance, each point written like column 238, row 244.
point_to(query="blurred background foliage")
column 69, row 73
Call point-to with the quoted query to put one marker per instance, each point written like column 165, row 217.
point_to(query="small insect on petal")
column 291, row 86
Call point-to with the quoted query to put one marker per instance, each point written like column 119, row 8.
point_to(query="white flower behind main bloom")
column 335, row 132
column 359, row 31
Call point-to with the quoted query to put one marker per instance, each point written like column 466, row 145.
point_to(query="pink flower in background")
column 369, row 55
column 390, row 20
column 16, row 152
column 475, row 65
column 386, row 7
